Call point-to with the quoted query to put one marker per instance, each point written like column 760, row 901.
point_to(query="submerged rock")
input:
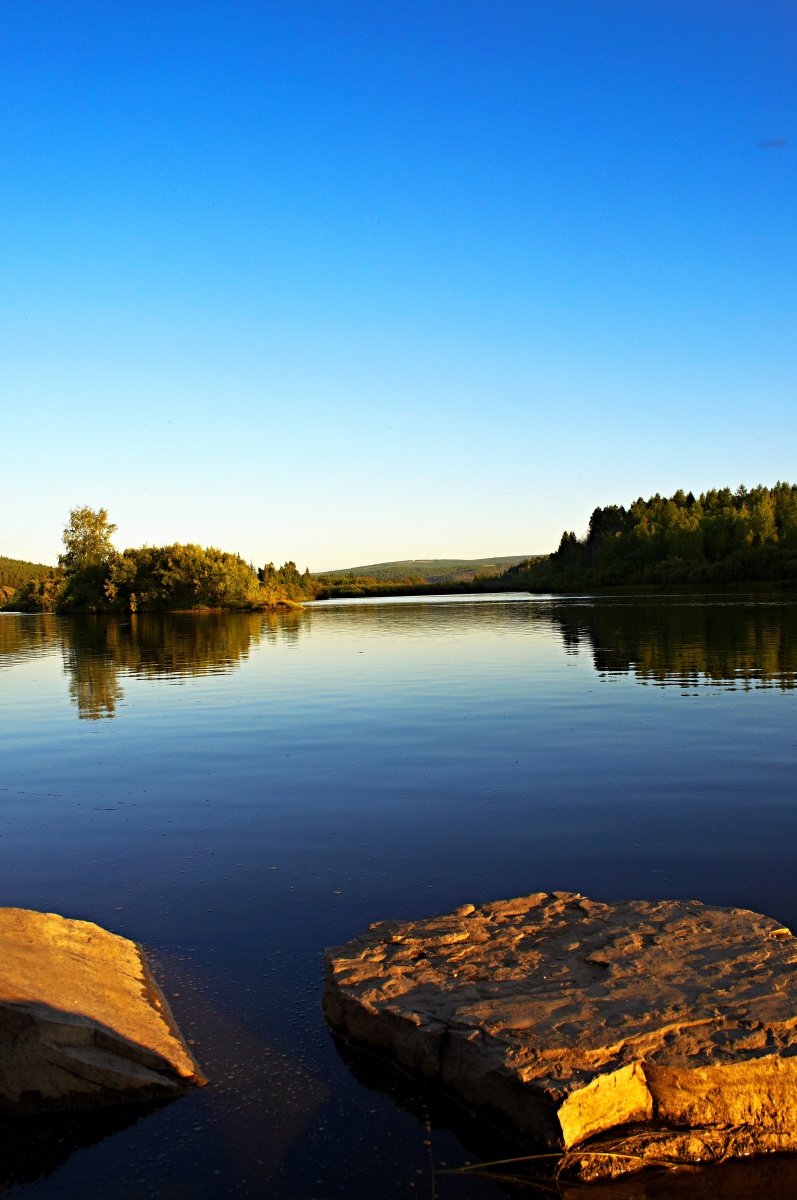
column 82, row 1021
column 621, row 1034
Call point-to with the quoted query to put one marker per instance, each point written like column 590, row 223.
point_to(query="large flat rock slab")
column 82, row 1021
column 659, row 1030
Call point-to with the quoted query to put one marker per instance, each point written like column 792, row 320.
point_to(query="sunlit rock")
column 82, row 1021
column 648, row 1031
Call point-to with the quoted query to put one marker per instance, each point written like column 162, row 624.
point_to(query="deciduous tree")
column 87, row 538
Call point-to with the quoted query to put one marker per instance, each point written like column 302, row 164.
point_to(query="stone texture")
column 82, row 1021
column 661, row 1031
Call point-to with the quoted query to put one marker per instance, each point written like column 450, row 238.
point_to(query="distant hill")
column 434, row 570
column 15, row 571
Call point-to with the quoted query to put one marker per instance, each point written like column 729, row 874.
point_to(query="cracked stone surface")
column 82, row 1021
column 662, row 1029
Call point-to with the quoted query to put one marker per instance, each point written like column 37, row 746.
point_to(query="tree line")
column 95, row 577
column 721, row 536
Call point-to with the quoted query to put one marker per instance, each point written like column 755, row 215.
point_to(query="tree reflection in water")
column 727, row 640
column 99, row 651
column 732, row 641
column 23, row 637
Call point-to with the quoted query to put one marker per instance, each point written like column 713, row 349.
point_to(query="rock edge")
column 666, row 1030
column 82, row 1021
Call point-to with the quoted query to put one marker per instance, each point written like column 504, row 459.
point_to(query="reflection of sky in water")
column 315, row 773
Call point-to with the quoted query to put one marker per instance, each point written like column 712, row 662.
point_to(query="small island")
column 94, row 577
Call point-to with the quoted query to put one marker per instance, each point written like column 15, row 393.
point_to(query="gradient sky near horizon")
column 344, row 282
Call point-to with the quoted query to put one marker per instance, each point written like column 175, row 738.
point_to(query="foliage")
column 331, row 586
column 176, row 578
column 719, row 537
column 96, row 578
column 87, row 539
column 288, row 581
column 37, row 595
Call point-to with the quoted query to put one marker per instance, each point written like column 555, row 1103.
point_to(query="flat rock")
column 82, row 1021
column 651, row 1031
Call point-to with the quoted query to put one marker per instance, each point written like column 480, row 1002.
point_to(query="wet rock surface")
column 82, row 1021
column 624, row 1035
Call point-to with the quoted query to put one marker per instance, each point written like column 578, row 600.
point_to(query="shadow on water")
column 432, row 1109
column 34, row 1147
column 774, row 1177
column 484, row 1141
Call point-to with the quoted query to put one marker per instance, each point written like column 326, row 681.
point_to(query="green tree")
column 722, row 536
column 87, row 538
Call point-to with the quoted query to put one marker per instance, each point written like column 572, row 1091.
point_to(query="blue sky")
column 354, row 281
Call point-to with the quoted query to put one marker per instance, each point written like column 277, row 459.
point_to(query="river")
column 237, row 791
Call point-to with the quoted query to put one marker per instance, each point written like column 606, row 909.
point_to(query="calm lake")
column 237, row 791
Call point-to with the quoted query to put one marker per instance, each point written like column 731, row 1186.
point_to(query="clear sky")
column 345, row 281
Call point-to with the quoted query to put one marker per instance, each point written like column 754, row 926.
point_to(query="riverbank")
column 498, row 585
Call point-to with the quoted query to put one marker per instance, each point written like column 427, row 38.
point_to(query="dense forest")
column 94, row 577
column 721, row 536
column 14, row 572
column 330, row 586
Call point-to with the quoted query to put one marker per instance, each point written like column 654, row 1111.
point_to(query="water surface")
column 237, row 791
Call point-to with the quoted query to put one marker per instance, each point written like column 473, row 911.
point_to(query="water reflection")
column 747, row 643
column 684, row 641
column 403, row 760
column 487, row 1140
column 99, row 651
column 34, row 1147
column 24, row 637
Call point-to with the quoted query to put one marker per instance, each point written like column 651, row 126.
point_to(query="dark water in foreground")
column 238, row 791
